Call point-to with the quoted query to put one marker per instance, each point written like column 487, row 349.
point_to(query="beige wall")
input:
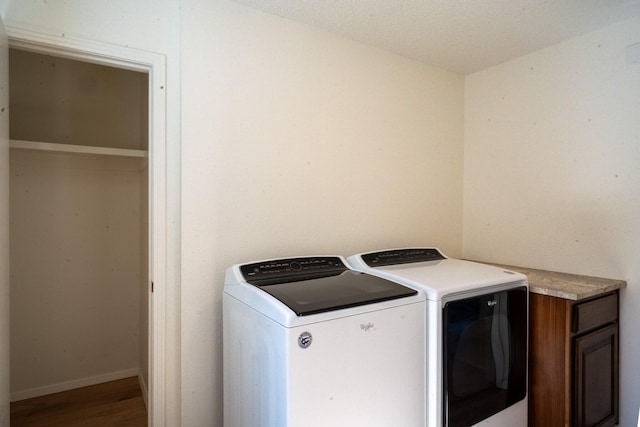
column 552, row 170
column 297, row 142
column 4, row 4
column 142, row 24
column 143, row 311
column 71, row 102
column 75, row 270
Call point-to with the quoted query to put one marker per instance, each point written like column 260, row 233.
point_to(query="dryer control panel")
column 401, row 256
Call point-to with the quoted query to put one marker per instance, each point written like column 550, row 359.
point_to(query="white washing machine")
column 309, row 342
column 476, row 334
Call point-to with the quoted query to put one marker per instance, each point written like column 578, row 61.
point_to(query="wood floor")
column 116, row 403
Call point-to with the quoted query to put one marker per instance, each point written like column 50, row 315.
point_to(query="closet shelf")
column 78, row 149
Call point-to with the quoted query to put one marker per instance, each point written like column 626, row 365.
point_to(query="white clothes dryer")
column 476, row 334
column 309, row 342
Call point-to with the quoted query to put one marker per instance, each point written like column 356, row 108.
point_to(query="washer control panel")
column 291, row 269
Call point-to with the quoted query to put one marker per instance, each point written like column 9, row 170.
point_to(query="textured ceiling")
column 463, row 36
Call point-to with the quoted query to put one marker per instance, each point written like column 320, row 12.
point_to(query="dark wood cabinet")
column 573, row 361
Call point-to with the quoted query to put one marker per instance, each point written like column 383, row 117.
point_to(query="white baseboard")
column 143, row 388
column 70, row 385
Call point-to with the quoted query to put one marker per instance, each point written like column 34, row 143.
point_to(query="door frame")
column 4, row 229
column 154, row 65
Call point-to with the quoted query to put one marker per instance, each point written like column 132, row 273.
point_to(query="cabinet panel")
column 549, row 351
column 595, row 313
column 596, row 378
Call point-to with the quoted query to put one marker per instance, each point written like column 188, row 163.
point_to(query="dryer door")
column 485, row 355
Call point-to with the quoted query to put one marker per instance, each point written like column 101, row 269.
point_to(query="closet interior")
column 78, row 223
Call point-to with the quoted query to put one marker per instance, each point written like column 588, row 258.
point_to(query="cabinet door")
column 596, row 378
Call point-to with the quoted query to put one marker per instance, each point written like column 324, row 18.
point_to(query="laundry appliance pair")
column 402, row 337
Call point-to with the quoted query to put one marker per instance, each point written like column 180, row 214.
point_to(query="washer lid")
column 311, row 285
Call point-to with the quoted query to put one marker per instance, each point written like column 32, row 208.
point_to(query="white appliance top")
column 302, row 290
column 427, row 269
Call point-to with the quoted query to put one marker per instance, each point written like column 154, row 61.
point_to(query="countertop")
column 563, row 285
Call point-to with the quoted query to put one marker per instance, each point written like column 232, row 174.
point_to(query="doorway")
column 78, row 208
column 153, row 66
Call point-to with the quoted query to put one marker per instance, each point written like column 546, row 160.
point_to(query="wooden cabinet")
column 573, row 361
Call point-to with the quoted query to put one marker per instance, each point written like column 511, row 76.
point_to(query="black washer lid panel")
column 344, row 290
column 401, row 256
column 311, row 285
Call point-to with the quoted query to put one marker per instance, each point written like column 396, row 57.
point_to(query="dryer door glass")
column 485, row 355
